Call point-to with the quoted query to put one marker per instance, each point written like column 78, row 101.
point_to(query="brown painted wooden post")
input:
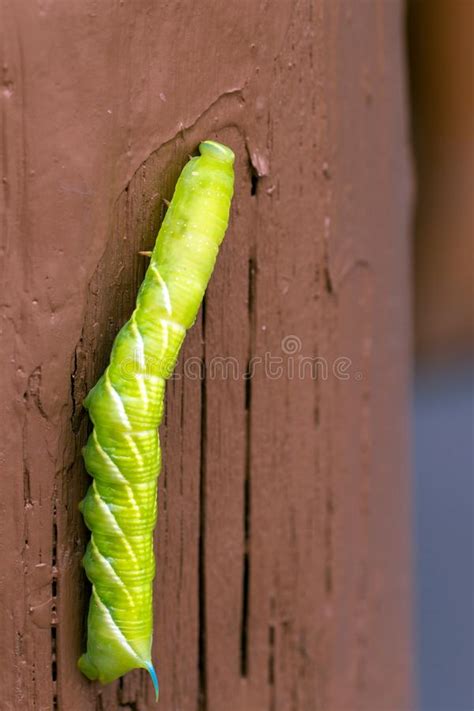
column 283, row 540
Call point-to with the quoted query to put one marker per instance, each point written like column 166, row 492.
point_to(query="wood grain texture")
column 283, row 563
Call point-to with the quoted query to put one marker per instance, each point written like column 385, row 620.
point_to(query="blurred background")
column 441, row 62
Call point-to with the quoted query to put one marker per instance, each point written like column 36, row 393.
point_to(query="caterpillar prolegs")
column 126, row 405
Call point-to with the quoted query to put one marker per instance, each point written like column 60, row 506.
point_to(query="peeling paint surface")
column 283, row 567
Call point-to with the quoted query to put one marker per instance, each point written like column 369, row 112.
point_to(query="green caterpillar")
column 126, row 406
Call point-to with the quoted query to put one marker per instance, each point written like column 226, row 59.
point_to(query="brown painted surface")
column 283, row 541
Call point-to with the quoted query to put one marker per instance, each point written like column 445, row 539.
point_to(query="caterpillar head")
column 217, row 150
